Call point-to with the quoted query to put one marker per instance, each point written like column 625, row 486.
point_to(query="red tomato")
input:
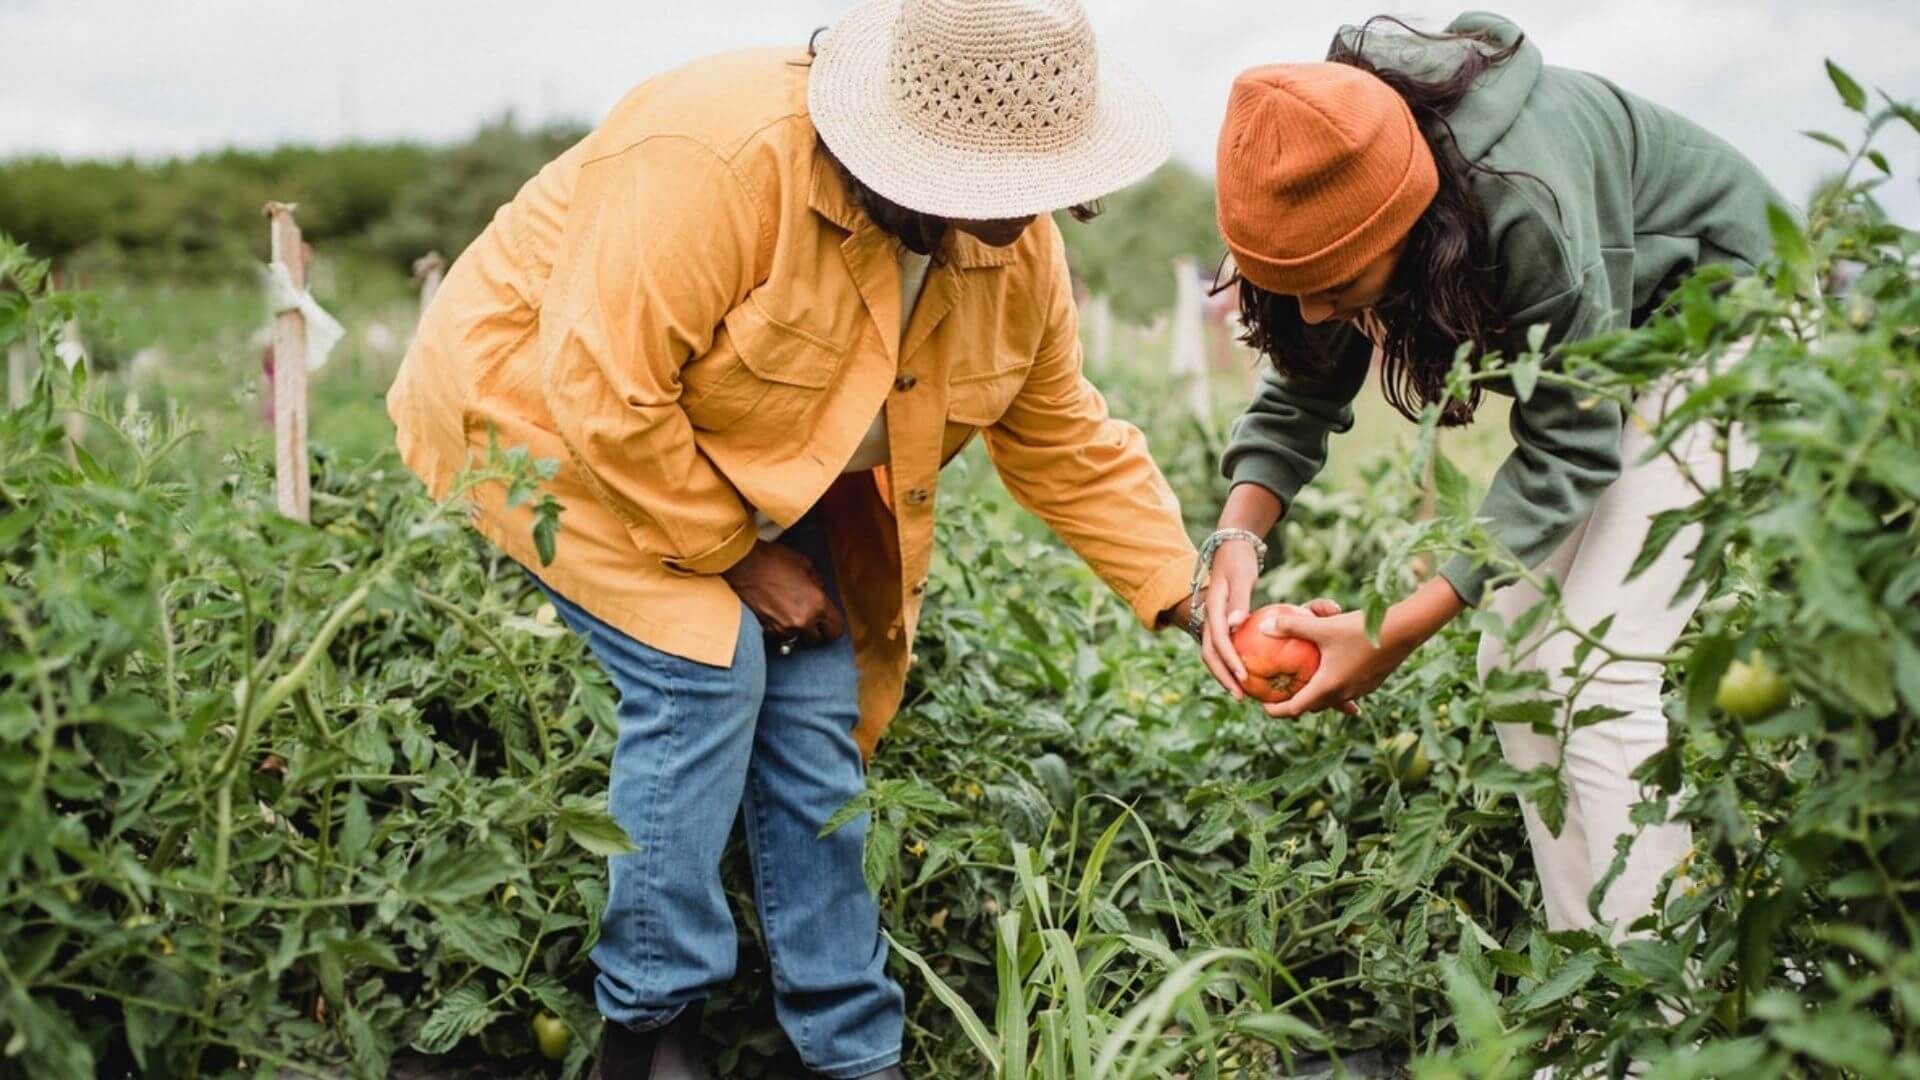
column 1277, row 667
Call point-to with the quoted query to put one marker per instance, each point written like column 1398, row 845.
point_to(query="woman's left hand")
column 1350, row 665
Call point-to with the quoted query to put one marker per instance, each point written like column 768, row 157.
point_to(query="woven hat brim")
column 852, row 102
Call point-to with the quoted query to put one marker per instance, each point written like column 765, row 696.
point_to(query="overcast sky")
column 113, row 77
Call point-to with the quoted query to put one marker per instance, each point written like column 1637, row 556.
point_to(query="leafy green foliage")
column 194, row 215
column 315, row 798
column 383, row 205
column 1126, row 254
column 274, row 794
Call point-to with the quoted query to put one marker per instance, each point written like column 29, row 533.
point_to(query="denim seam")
column 766, row 885
column 656, row 780
column 671, row 1016
column 857, row 1068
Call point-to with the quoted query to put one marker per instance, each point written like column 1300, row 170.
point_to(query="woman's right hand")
column 1229, row 593
column 782, row 589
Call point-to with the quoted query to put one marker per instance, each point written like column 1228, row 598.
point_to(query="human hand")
column 785, row 593
column 1351, row 665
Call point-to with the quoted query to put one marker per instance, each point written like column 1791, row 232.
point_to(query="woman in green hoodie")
column 1422, row 193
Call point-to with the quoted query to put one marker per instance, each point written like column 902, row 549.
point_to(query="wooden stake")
column 20, row 368
column 1188, row 365
column 1100, row 331
column 428, row 269
column 289, row 373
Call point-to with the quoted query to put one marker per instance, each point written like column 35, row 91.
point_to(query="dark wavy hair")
column 1445, row 290
column 921, row 233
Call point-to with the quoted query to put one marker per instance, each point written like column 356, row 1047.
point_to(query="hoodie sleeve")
column 1280, row 442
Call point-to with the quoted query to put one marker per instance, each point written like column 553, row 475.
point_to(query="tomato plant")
column 280, row 799
column 263, row 780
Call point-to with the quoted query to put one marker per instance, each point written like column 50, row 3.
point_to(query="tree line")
column 199, row 216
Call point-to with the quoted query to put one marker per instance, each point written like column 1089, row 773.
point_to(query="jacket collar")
column 828, row 198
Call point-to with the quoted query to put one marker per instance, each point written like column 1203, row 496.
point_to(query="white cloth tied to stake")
column 69, row 348
column 323, row 330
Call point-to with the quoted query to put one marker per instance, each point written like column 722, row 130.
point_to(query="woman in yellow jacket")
column 751, row 316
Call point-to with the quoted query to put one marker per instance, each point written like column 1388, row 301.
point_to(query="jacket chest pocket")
column 979, row 399
column 761, row 366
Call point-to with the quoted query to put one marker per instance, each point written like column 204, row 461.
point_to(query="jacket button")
column 918, row 496
column 905, row 383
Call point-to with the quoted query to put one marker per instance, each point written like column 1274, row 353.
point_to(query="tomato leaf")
column 1705, row 665
column 452, row 876
column 1840, row 1037
column 546, row 529
column 1279, row 1029
column 595, row 830
column 1850, row 93
column 1453, row 492
column 1569, row 978
column 1712, row 1061
column 1476, row 1011
column 1858, row 667
column 1661, row 963
column 463, row 1012
column 486, row 936
column 1825, row 139
column 881, row 853
column 1416, row 840
column 1526, row 375
column 1666, row 524
column 1790, row 247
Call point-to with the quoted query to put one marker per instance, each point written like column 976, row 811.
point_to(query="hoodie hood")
column 1490, row 109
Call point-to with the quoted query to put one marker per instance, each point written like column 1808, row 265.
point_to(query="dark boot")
column 665, row 1053
column 891, row 1072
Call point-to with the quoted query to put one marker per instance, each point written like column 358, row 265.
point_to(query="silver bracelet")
column 1196, row 627
column 1197, row 620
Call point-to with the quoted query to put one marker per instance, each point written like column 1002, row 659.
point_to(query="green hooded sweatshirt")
column 1640, row 197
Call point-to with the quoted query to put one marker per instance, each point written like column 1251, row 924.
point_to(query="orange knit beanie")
column 1321, row 170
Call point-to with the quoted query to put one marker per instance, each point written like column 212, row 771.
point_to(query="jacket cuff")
column 717, row 559
column 1468, row 578
column 1168, row 586
column 1268, row 472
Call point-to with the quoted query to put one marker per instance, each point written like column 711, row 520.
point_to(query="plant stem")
column 1468, row 861
column 167, row 654
column 534, row 715
column 49, row 715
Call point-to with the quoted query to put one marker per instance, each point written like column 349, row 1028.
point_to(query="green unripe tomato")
column 1405, row 758
column 1751, row 690
column 551, row 1033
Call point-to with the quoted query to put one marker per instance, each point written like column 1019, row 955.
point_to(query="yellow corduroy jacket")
column 687, row 313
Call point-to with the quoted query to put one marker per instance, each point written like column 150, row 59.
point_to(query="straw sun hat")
column 982, row 109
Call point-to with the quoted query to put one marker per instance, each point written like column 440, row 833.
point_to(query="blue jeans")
column 771, row 737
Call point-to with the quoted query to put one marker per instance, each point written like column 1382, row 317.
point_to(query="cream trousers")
column 1591, row 567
